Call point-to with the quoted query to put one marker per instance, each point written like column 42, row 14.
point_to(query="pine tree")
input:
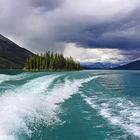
column 51, row 61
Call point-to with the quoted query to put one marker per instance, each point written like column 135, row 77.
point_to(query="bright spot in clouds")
column 93, row 54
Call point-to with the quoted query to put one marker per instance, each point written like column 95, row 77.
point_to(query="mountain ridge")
column 135, row 65
column 11, row 54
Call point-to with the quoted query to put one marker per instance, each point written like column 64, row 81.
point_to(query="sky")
column 106, row 31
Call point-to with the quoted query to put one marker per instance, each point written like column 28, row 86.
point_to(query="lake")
column 84, row 105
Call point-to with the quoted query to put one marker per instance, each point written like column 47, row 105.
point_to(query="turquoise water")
column 86, row 105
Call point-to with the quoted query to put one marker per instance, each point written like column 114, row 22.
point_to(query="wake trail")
column 117, row 111
column 32, row 103
column 65, row 91
column 5, row 78
column 24, row 101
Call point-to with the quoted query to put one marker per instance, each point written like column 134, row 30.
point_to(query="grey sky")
column 109, row 26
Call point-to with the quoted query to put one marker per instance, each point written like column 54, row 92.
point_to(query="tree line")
column 51, row 61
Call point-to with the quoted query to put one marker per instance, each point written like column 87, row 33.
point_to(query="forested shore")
column 51, row 61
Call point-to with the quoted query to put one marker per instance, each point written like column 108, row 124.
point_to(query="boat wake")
column 118, row 111
column 4, row 77
column 39, row 100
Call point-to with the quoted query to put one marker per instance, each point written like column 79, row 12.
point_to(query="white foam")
column 25, row 102
column 120, row 112
column 66, row 90
column 32, row 102
column 4, row 77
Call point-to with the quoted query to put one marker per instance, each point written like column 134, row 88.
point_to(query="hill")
column 12, row 55
column 130, row 66
column 97, row 65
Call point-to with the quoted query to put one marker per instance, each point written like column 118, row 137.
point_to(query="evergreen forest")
column 51, row 61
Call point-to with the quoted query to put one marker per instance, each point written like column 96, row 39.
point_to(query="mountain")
column 130, row 66
column 12, row 55
column 98, row 65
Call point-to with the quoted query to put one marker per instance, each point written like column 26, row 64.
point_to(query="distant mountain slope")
column 12, row 55
column 98, row 65
column 130, row 66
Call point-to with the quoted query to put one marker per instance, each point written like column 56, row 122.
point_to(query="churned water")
column 85, row 105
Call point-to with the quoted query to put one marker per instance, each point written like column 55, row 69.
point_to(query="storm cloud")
column 46, row 4
column 41, row 25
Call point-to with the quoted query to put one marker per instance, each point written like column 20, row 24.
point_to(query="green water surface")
column 85, row 105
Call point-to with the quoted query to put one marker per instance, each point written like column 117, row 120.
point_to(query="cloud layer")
column 54, row 24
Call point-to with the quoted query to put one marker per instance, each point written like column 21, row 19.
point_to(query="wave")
column 65, row 91
column 21, row 103
column 117, row 111
column 34, row 102
column 4, row 77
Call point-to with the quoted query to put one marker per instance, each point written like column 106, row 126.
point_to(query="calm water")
column 87, row 105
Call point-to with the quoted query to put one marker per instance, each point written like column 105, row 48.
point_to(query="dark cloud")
column 122, row 34
column 46, row 4
column 52, row 24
